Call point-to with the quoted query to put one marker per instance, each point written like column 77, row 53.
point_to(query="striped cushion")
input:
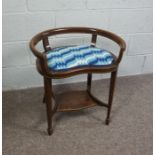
column 65, row 58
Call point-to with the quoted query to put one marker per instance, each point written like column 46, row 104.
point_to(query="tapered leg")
column 111, row 93
column 44, row 97
column 44, row 100
column 48, row 99
column 89, row 80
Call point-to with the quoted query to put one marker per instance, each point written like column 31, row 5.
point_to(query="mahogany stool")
column 66, row 61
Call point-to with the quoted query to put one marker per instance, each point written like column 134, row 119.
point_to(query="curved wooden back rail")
column 43, row 36
column 74, row 100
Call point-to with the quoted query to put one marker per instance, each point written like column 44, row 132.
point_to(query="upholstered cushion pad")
column 65, row 58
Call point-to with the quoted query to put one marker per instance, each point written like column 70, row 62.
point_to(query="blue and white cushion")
column 65, row 58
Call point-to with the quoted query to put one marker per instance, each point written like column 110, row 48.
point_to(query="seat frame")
column 89, row 99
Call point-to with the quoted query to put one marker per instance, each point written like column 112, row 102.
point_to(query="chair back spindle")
column 93, row 40
column 46, row 43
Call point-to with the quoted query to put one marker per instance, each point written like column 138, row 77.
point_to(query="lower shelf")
column 74, row 100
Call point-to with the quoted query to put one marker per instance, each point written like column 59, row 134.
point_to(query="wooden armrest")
column 122, row 50
column 43, row 36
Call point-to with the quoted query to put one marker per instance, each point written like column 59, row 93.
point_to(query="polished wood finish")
column 111, row 94
column 98, row 102
column 46, row 44
column 48, row 100
column 74, row 100
column 89, row 80
column 42, row 56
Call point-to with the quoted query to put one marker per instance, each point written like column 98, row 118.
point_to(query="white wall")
column 131, row 19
